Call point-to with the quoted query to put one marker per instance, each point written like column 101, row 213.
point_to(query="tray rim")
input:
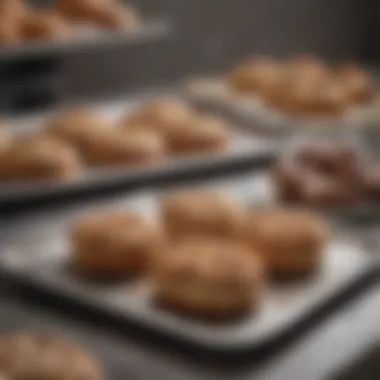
column 150, row 30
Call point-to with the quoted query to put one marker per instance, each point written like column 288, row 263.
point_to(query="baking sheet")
column 245, row 148
column 86, row 38
column 37, row 254
column 213, row 93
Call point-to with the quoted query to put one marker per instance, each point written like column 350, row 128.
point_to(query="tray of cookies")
column 69, row 25
column 203, row 266
column 84, row 147
column 283, row 96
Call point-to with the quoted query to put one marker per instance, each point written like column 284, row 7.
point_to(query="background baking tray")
column 245, row 148
column 88, row 38
column 213, row 93
column 40, row 259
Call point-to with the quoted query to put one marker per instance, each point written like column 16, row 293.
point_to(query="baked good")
column 307, row 68
column 338, row 159
column 37, row 355
column 307, row 96
column 255, row 75
column 288, row 177
column 115, row 243
column 12, row 10
column 209, row 278
column 202, row 212
column 357, row 83
column 43, row 158
column 161, row 115
column 320, row 174
column 291, row 242
column 11, row 15
column 9, row 32
column 45, row 24
column 5, row 139
column 111, row 14
column 79, row 126
column 83, row 9
column 202, row 134
column 125, row 147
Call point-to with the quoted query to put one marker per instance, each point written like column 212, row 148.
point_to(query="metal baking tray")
column 87, row 38
column 245, row 148
column 213, row 93
column 36, row 254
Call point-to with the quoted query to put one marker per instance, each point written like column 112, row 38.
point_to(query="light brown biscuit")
column 46, row 24
column 9, row 32
column 291, row 241
column 84, row 10
column 161, row 115
column 210, row 278
column 257, row 75
column 6, row 138
column 39, row 158
column 125, row 147
column 357, row 82
column 202, row 212
column 35, row 355
column 115, row 244
column 201, row 134
column 79, row 126
column 12, row 10
column 306, row 68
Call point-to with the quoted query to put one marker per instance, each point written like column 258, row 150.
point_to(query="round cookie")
column 35, row 355
column 288, row 176
column 39, row 158
column 161, row 115
column 79, row 126
column 9, row 32
column 306, row 68
column 256, row 75
column 115, row 244
column 5, row 139
column 333, row 159
column 12, row 10
column 44, row 25
column 357, row 83
column 308, row 97
column 202, row 134
column 202, row 212
column 125, row 147
column 83, row 9
column 210, row 278
column 291, row 242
